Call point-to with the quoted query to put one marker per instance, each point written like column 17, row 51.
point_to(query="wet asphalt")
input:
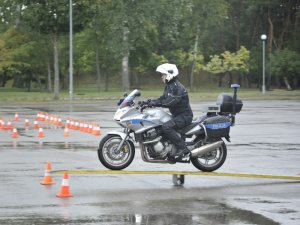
column 265, row 140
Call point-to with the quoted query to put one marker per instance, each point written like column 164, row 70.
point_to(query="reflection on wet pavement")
column 73, row 146
column 176, row 212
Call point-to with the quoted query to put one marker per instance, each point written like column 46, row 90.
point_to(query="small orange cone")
column 41, row 132
column 42, row 116
column 51, row 119
column 16, row 116
column 47, row 178
column 65, row 189
column 26, row 122
column 38, row 116
column 46, row 118
column 66, row 132
column 2, row 124
column 15, row 132
column 67, row 124
column 72, row 124
column 76, row 125
column 96, row 130
column 90, row 129
column 9, row 126
column 35, row 125
column 86, row 127
column 81, row 126
column 59, row 122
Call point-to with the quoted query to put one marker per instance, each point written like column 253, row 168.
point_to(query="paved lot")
column 265, row 140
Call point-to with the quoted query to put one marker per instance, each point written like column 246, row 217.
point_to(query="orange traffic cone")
column 51, row 118
column 26, row 122
column 96, row 130
column 9, row 126
column 59, row 122
column 35, row 125
column 2, row 124
column 16, row 116
column 85, row 127
column 81, row 125
column 42, row 116
column 67, row 124
column 66, row 132
column 46, row 118
column 65, row 189
column 90, row 129
column 47, row 178
column 41, row 132
column 72, row 124
column 15, row 132
column 76, row 125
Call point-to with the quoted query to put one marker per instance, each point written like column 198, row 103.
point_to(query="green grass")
column 14, row 96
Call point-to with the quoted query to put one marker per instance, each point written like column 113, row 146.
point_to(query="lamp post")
column 263, row 38
column 71, row 50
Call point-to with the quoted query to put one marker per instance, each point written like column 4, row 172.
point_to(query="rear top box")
column 226, row 103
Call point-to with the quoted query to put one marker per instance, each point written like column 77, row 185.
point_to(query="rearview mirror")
column 138, row 94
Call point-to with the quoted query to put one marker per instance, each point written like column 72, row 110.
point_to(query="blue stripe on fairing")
column 138, row 121
column 215, row 126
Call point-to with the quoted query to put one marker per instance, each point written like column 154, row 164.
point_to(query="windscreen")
column 129, row 99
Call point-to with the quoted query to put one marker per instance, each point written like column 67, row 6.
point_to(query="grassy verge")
column 13, row 96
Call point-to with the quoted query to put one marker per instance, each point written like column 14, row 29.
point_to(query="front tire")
column 110, row 157
column 212, row 160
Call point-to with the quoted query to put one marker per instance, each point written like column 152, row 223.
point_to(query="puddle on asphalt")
column 190, row 211
column 71, row 146
column 232, row 216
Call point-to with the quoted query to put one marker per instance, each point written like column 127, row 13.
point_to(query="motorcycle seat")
column 194, row 123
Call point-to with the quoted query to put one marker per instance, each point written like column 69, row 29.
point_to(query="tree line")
column 127, row 39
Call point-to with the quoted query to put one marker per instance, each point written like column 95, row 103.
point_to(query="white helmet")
column 169, row 69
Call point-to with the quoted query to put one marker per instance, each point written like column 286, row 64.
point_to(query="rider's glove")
column 152, row 103
column 120, row 101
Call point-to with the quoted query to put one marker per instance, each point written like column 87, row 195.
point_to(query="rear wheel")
column 111, row 157
column 212, row 160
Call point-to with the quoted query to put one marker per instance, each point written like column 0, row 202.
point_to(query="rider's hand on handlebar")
column 142, row 103
column 120, row 101
column 150, row 103
column 153, row 103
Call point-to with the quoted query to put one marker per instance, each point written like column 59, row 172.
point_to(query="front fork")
column 126, row 131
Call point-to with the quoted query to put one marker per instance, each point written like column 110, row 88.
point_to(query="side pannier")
column 217, row 126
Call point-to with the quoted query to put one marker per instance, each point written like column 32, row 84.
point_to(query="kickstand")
column 178, row 179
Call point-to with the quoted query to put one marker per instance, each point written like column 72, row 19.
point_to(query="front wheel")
column 212, row 160
column 109, row 155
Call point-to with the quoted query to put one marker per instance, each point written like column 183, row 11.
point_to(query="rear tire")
column 110, row 157
column 211, row 161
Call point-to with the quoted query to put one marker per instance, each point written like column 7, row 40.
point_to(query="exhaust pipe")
column 205, row 149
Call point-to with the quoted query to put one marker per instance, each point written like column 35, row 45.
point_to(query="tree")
column 52, row 18
column 13, row 47
column 228, row 63
column 285, row 64
column 133, row 37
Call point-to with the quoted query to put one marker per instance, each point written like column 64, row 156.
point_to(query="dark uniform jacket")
column 176, row 98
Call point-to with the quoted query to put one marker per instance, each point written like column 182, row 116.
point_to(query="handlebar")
column 143, row 105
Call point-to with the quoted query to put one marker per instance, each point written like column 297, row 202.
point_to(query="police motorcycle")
column 204, row 137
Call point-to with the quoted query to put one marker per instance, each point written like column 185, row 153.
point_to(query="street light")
column 71, row 50
column 263, row 38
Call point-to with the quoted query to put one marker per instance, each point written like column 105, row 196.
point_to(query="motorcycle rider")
column 176, row 99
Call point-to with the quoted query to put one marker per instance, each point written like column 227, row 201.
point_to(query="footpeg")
column 180, row 159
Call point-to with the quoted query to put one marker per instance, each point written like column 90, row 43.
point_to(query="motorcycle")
column 204, row 137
